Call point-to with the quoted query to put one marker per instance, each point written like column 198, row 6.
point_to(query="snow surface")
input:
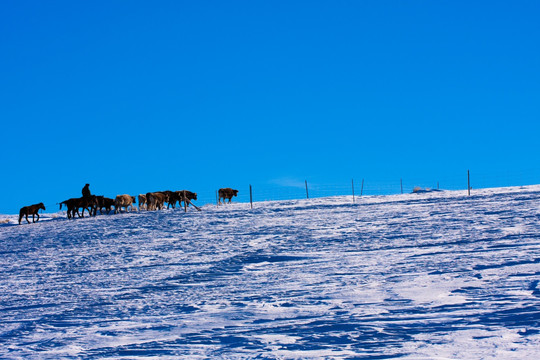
column 419, row 276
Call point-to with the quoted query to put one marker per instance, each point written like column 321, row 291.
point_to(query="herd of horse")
column 149, row 201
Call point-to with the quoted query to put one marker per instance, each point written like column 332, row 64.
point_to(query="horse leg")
column 28, row 221
column 33, row 221
column 37, row 216
column 20, row 217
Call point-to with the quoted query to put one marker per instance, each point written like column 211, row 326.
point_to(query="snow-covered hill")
column 419, row 276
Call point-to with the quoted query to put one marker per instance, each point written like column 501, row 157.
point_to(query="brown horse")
column 227, row 193
column 189, row 195
column 32, row 209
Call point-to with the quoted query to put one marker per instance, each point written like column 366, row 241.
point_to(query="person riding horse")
column 86, row 191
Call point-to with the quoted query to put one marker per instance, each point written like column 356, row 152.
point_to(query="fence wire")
column 364, row 186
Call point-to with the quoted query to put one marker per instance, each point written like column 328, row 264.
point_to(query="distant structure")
column 419, row 190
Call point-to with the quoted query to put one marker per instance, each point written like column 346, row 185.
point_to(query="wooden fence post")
column 362, row 188
column 307, row 193
column 250, row 196
column 468, row 183
column 352, row 182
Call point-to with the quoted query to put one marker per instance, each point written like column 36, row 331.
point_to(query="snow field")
column 420, row 276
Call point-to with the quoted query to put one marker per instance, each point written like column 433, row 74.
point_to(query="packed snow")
column 436, row 275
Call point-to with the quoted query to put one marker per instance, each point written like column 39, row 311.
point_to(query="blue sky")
column 133, row 96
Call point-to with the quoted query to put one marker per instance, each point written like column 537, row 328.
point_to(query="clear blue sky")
column 137, row 96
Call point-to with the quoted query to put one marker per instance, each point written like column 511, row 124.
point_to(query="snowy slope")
column 417, row 276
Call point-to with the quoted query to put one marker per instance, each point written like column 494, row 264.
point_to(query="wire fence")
column 364, row 186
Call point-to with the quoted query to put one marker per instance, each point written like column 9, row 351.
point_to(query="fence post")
column 468, row 183
column 250, row 196
column 401, row 184
column 307, row 193
column 362, row 188
column 352, row 181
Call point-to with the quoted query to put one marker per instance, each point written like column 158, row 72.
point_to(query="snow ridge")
column 419, row 276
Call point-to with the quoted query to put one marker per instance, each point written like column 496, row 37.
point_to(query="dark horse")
column 32, row 209
column 74, row 204
column 103, row 202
